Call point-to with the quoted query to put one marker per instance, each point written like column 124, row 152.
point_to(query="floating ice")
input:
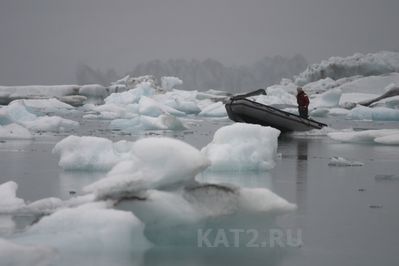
column 51, row 123
column 46, row 105
column 154, row 163
column 242, row 147
column 377, row 113
column 12, row 254
column 383, row 136
column 92, row 226
column 8, row 199
column 214, row 110
column 16, row 112
column 327, row 99
column 162, row 122
column 388, row 140
column 133, row 95
column 150, row 107
column 14, row 131
column 90, row 153
column 168, row 83
column 340, row 161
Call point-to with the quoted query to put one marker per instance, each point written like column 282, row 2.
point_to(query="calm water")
column 346, row 215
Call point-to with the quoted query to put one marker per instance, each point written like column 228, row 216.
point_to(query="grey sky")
column 42, row 41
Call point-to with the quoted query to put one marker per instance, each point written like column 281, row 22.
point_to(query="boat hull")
column 246, row 111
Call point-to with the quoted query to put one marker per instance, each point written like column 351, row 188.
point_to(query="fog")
column 44, row 41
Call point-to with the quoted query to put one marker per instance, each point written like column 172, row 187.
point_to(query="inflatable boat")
column 240, row 109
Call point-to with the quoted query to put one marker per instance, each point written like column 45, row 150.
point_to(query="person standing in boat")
column 303, row 102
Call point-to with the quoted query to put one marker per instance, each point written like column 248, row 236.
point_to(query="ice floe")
column 153, row 163
column 14, row 131
column 341, row 161
column 12, row 254
column 382, row 136
column 242, row 147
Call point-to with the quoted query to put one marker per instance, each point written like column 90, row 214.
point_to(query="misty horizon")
column 44, row 41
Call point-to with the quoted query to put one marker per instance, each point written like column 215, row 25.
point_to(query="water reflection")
column 301, row 172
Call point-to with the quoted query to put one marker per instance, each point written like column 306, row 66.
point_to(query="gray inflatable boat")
column 240, row 109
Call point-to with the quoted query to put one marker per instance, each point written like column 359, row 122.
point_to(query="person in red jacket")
column 303, row 102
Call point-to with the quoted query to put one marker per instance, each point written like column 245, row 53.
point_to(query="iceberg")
column 14, row 131
column 92, row 226
column 154, row 163
column 376, row 114
column 8, row 199
column 90, row 153
column 242, row 147
column 327, row 99
column 150, row 107
column 168, row 83
column 16, row 112
column 382, row 136
column 12, row 254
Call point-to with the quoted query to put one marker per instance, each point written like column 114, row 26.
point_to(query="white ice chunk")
column 162, row 122
column 92, row 226
column 88, row 153
column 340, row 161
column 12, row 254
column 214, row 110
column 14, row 131
column 388, row 140
column 150, row 107
column 15, row 112
column 51, row 123
column 327, row 99
column 383, row 136
column 47, row 105
column 377, row 114
column 133, row 95
column 242, row 147
column 8, row 199
column 168, row 83
column 154, row 163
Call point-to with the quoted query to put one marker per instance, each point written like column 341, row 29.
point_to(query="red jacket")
column 302, row 99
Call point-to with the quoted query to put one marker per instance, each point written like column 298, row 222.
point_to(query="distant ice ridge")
column 359, row 64
column 380, row 136
column 242, row 147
